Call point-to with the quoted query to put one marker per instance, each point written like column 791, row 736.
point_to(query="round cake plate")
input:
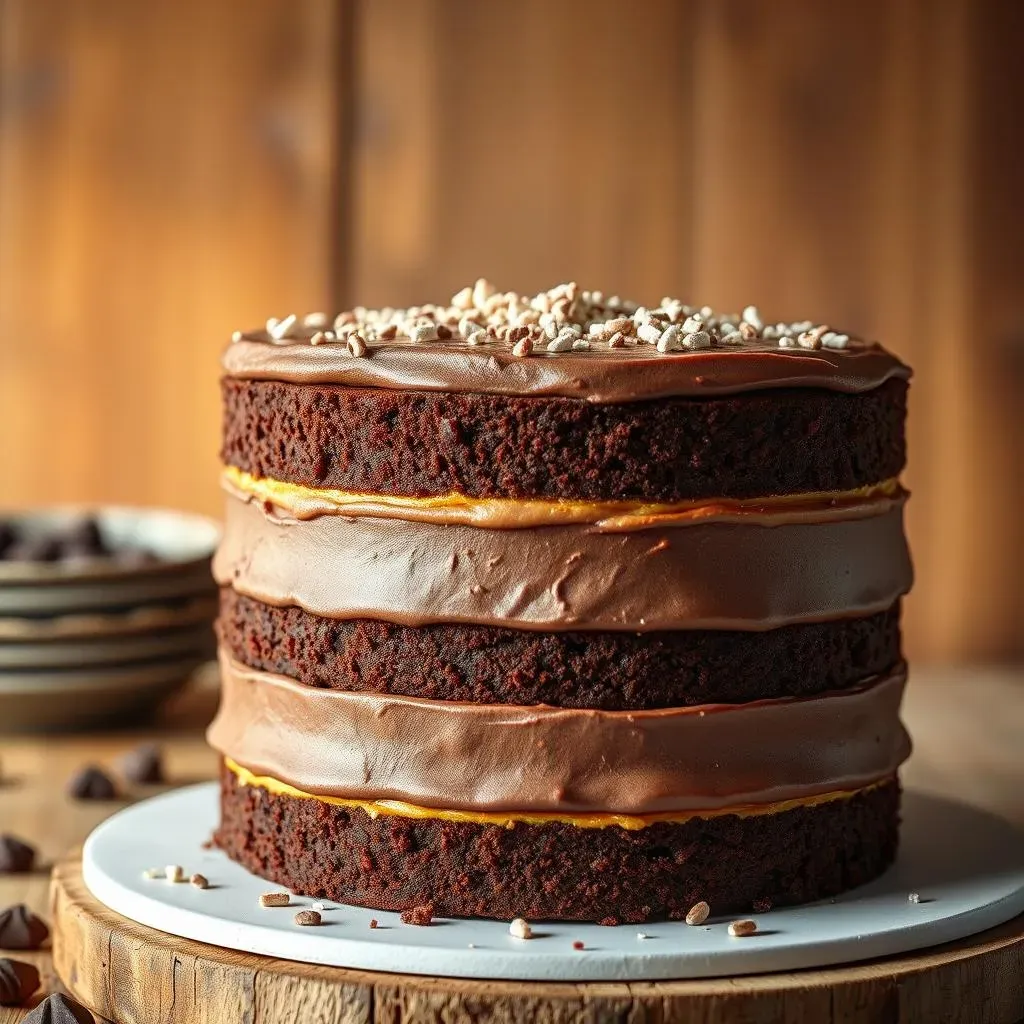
column 966, row 865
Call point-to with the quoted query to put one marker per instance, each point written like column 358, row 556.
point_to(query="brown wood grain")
column 167, row 171
column 170, row 171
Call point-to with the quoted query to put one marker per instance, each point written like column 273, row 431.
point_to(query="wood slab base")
column 130, row 974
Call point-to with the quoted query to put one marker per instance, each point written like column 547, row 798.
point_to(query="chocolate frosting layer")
column 757, row 574
column 479, row 757
column 599, row 375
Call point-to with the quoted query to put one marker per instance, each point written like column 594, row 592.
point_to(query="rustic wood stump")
column 131, row 974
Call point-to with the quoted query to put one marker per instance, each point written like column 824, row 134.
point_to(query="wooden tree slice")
column 135, row 975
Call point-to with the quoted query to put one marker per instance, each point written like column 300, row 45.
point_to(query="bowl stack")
column 103, row 613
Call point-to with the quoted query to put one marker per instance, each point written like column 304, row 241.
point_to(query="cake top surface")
column 564, row 341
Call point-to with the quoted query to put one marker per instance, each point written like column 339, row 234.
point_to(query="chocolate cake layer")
column 558, row 870
column 605, row 670
column 784, row 441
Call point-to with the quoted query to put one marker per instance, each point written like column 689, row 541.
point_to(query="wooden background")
column 174, row 169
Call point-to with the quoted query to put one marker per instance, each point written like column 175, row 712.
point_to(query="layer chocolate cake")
column 561, row 607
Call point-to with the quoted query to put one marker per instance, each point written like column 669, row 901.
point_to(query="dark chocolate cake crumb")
column 92, row 783
column 420, row 915
column 16, row 856
column 18, row 981
column 21, row 929
column 143, row 765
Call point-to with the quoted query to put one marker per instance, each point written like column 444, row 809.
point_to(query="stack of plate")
column 89, row 638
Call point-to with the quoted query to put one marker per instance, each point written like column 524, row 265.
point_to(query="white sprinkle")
column 649, row 332
column 315, row 320
column 707, row 312
column 693, row 323
column 748, row 331
column 321, row 336
column 520, row 929
column 523, row 347
column 319, row 906
column 831, row 340
column 236, row 336
column 174, row 873
column 670, row 339
column 785, row 342
column 597, row 331
column 278, row 329
column 468, row 327
column 463, row 299
column 753, row 317
column 470, row 945
column 770, row 333
column 482, row 291
column 699, row 339
column 424, row 330
column 641, row 936
column 732, row 338
column 581, row 344
column 914, row 897
column 560, row 344
column 617, row 340
column 153, row 873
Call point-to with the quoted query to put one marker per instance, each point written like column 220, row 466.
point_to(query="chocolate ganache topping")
column 486, row 758
column 564, row 342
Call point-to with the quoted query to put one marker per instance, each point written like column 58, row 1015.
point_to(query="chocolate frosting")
column 599, row 375
column 756, row 574
column 486, row 758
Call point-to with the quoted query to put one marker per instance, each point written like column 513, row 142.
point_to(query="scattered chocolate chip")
column 21, row 929
column 144, row 764
column 275, row 899
column 17, row 982
column 578, row 945
column 15, row 856
column 308, row 918
column 59, row 1009
column 421, row 915
column 92, row 783
column 373, row 922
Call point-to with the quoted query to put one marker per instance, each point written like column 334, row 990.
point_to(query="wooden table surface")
column 967, row 724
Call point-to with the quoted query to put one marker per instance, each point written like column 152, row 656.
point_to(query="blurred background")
column 175, row 169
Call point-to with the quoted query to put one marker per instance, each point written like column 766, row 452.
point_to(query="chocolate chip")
column 18, row 981
column 59, row 1009
column 15, row 856
column 421, row 915
column 143, row 764
column 21, row 929
column 92, row 783
column 34, row 549
column 84, row 539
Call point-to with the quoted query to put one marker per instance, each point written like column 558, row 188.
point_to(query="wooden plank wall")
column 171, row 170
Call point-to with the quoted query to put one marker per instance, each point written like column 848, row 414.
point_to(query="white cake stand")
column 966, row 865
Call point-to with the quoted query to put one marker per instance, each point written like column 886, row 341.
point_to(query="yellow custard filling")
column 302, row 501
column 631, row 822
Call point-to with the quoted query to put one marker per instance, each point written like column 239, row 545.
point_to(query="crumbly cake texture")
column 567, row 395
column 612, row 671
column 558, row 871
column 771, row 442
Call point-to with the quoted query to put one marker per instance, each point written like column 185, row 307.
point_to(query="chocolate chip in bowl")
column 103, row 613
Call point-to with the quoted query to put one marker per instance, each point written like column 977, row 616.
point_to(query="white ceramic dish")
column 84, row 652
column 967, row 865
column 76, row 699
